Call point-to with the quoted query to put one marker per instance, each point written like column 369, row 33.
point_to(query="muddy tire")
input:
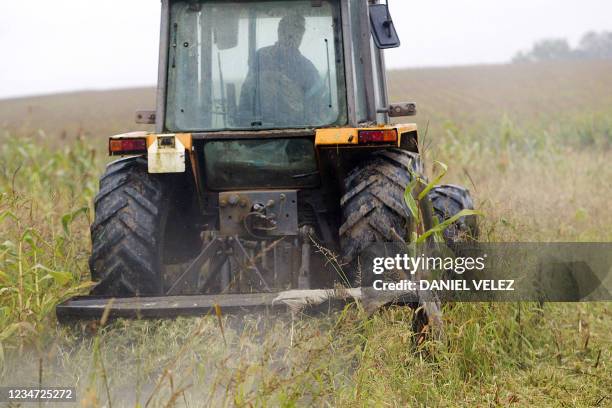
column 373, row 207
column 449, row 200
column 374, row 210
column 127, row 234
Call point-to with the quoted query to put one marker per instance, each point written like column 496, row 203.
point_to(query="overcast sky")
column 62, row 45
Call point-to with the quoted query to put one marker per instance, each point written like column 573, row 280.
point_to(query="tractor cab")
column 270, row 65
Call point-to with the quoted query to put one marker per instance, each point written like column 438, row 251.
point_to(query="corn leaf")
column 67, row 219
column 439, row 229
column 61, row 278
column 7, row 214
column 409, row 199
column 436, row 180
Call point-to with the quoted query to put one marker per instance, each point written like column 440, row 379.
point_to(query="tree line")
column 592, row 45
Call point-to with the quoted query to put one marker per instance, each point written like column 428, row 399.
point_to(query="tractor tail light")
column 127, row 146
column 378, row 136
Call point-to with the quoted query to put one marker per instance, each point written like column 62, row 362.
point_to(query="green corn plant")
column 44, row 191
column 415, row 193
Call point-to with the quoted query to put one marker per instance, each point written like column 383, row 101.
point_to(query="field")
column 532, row 142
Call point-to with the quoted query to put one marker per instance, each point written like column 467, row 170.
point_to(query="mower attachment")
column 90, row 307
column 294, row 301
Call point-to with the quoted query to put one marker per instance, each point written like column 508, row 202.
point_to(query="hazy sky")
column 59, row 45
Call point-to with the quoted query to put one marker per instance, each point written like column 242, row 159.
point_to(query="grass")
column 536, row 157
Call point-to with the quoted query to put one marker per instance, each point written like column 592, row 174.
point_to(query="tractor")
column 274, row 164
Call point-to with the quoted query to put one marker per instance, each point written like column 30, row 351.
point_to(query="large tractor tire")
column 374, row 211
column 373, row 206
column 128, row 231
column 448, row 201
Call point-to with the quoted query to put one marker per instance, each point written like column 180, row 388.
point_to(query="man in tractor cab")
column 278, row 87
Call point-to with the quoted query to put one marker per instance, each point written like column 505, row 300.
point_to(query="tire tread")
column 126, row 233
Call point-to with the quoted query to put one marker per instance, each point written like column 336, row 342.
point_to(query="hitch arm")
column 191, row 273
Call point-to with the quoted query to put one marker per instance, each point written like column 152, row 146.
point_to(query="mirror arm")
column 396, row 110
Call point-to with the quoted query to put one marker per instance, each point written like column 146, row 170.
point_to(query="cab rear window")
column 270, row 163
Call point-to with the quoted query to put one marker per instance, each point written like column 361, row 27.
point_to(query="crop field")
column 533, row 143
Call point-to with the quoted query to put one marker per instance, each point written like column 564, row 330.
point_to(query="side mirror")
column 396, row 110
column 383, row 30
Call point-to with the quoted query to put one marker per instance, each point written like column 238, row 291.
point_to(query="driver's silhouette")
column 279, row 77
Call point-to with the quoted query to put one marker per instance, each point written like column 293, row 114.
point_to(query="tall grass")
column 45, row 198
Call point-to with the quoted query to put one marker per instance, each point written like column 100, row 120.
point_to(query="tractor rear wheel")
column 127, row 234
column 373, row 206
column 448, row 201
column 374, row 211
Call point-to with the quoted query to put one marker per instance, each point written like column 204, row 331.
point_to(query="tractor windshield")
column 255, row 65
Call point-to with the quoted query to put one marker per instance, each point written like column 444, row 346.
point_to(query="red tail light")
column 127, row 146
column 378, row 136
